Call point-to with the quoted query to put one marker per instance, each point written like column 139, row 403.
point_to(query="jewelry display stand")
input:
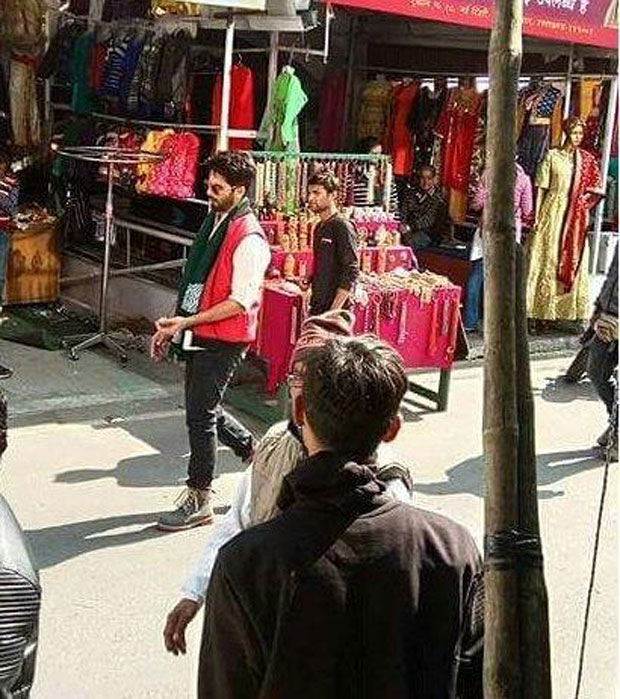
column 108, row 156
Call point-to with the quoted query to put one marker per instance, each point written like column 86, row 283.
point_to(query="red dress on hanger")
column 242, row 106
column 401, row 138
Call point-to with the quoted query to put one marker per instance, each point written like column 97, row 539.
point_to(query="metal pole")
column 569, row 82
column 109, row 225
column 222, row 141
column 272, row 70
column 610, row 121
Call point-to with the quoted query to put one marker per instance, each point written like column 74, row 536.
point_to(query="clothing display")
column 25, row 122
column 402, row 142
column 541, row 108
column 332, row 112
column 558, row 284
column 242, row 101
column 375, row 111
column 457, row 128
column 121, row 70
column 280, row 120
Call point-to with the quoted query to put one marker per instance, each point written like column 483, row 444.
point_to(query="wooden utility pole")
column 516, row 658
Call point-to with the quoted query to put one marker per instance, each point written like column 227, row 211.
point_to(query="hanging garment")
column 172, row 83
column 281, row 120
column 125, row 9
column 83, row 100
column 175, row 175
column 332, row 112
column 21, row 26
column 113, row 72
column 25, row 122
column 478, row 154
column 242, row 113
column 375, row 111
column 558, row 283
column 152, row 144
column 540, row 105
column 422, row 121
column 457, row 128
column 401, row 138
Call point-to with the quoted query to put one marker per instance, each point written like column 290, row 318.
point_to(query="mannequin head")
column 574, row 130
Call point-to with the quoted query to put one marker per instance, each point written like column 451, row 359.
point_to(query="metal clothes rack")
column 109, row 157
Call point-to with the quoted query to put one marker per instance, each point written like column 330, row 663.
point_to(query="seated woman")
column 256, row 500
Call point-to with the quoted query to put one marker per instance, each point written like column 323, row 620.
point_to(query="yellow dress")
column 546, row 297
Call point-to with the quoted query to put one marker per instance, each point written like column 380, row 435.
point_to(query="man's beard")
column 224, row 204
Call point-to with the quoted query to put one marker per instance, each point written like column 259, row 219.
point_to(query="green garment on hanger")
column 281, row 121
column 84, row 100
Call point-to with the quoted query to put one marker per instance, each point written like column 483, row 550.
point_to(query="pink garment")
column 175, row 175
column 523, row 198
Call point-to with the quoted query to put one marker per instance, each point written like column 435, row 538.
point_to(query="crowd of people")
column 323, row 579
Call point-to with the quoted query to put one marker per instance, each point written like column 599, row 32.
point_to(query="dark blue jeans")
column 207, row 375
column 473, row 299
column 602, row 360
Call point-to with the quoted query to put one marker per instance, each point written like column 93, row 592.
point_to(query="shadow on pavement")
column 167, row 467
column 558, row 390
column 54, row 545
column 468, row 476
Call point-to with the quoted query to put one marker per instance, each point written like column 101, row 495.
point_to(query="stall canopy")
column 590, row 22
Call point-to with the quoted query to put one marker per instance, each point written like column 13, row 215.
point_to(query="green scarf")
column 201, row 259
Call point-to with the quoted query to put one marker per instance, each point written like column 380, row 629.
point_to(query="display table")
column 396, row 256
column 423, row 332
column 33, row 270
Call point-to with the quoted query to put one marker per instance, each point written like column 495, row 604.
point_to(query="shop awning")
column 590, row 22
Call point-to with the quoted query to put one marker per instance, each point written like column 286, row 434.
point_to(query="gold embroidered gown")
column 546, row 296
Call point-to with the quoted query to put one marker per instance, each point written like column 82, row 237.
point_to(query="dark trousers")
column 602, row 360
column 474, row 294
column 207, row 375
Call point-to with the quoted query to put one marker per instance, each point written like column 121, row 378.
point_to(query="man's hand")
column 178, row 620
column 606, row 327
column 171, row 326
column 160, row 345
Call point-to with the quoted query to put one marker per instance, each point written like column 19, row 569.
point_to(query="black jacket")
column 346, row 595
column 608, row 298
column 336, row 265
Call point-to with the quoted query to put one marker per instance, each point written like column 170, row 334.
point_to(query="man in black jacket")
column 348, row 594
column 336, row 265
column 603, row 353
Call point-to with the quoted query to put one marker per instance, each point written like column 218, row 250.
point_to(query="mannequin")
column 568, row 186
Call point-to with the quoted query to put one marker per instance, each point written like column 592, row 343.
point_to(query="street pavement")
column 88, row 482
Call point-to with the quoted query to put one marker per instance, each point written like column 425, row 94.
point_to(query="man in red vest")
column 216, row 321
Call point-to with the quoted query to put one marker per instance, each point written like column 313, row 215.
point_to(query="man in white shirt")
column 216, row 321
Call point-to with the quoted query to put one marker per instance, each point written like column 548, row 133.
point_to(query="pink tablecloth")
column 397, row 256
column 423, row 334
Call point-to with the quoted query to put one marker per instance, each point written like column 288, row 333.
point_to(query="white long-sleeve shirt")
column 236, row 520
column 250, row 262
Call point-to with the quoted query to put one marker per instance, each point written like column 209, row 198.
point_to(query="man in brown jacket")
column 348, row 594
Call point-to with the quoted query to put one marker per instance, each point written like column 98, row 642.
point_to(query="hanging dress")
column 401, row 137
column 242, row 115
column 558, row 281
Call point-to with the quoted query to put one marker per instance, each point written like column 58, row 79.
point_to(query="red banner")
column 592, row 22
